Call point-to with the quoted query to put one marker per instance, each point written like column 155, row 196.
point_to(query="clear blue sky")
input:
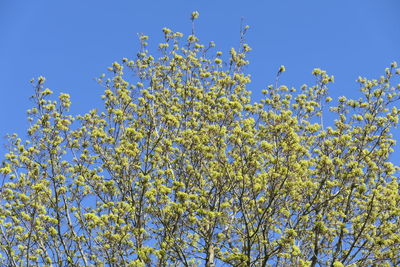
column 72, row 42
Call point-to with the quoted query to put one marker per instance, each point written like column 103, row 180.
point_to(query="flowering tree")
column 181, row 168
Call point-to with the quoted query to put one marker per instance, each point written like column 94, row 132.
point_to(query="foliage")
column 181, row 168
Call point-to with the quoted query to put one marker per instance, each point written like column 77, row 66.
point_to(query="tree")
column 181, row 168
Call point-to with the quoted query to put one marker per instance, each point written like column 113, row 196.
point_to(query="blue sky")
column 72, row 42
